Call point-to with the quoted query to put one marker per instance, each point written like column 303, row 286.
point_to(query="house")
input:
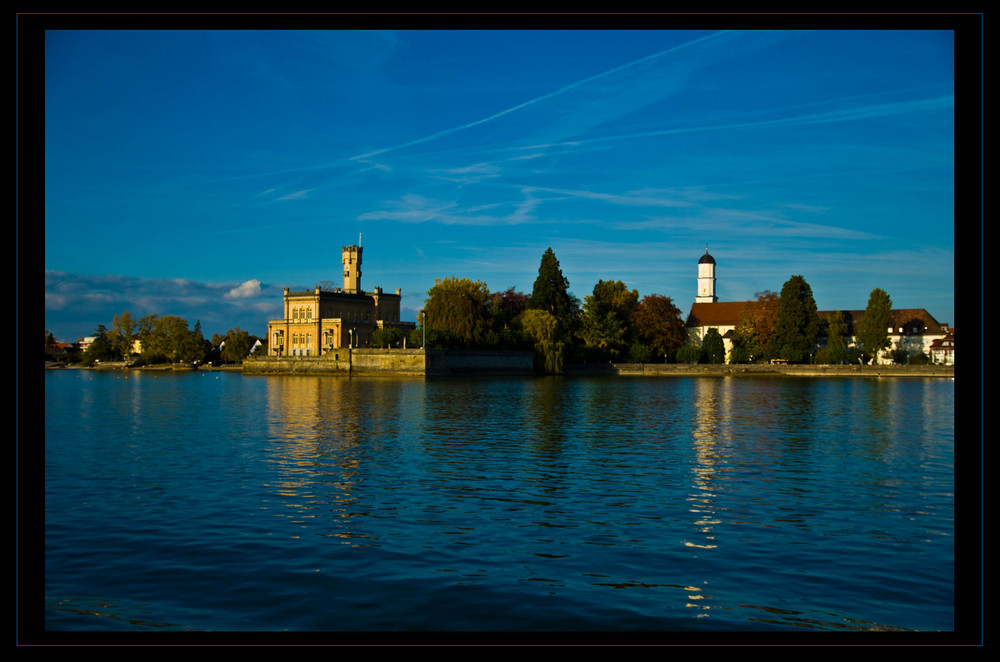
column 942, row 350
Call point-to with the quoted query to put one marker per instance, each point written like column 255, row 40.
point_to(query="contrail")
column 846, row 115
column 538, row 99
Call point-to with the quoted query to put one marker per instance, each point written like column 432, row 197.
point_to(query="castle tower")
column 352, row 269
column 706, row 279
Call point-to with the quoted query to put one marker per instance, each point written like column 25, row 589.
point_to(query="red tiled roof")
column 727, row 313
column 720, row 313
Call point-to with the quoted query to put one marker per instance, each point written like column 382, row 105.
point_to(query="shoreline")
column 319, row 367
column 749, row 370
column 157, row 367
column 417, row 366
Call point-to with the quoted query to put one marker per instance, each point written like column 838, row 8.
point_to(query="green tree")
column 836, row 337
column 100, row 349
column 739, row 353
column 415, row 338
column 166, row 337
column 236, row 346
column 639, row 353
column 797, row 324
column 606, row 322
column 659, row 325
column 753, row 337
column 458, row 310
column 551, row 291
column 689, row 354
column 195, row 347
column 713, row 348
column 387, row 336
column 543, row 329
column 123, row 334
column 873, row 329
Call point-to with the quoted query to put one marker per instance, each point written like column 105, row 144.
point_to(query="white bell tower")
column 706, row 279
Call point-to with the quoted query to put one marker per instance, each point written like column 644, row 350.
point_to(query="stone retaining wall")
column 396, row 362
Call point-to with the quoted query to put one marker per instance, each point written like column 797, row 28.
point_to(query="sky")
column 199, row 172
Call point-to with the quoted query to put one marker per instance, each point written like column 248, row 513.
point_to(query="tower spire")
column 706, row 279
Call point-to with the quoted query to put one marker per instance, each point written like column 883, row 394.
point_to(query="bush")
column 639, row 353
column 739, row 355
column 689, row 354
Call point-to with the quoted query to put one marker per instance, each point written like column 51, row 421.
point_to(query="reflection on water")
column 514, row 503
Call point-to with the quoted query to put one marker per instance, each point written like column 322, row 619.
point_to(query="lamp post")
column 423, row 328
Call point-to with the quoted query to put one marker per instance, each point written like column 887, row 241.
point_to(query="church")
column 913, row 330
column 318, row 321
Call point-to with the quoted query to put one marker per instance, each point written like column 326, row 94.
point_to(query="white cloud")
column 297, row 195
column 250, row 288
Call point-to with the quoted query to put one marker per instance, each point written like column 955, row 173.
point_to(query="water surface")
column 217, row 502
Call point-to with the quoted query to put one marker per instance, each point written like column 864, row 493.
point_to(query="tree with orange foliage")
column 755, row 333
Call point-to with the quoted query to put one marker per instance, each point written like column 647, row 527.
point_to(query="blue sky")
column 197, row 173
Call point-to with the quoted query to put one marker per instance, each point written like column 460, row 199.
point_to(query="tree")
column 505, row 306
column 542, row 328
column 458, row 310
column 639, row 353
column 167, row 337
column 753, row 337
column 328, row 286
column 99, row 348
column 123, row 334
column 836, row 337
column 872, row 332
column 551, row 291
column 797, row 324
column 195, row 348
column 387, row 336
column 713, row 349
column 689, row 354
column 659, row 325
column 415, row 338
column 606, row 323
column 236, row 345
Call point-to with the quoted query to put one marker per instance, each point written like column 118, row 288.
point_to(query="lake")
column 214, row 502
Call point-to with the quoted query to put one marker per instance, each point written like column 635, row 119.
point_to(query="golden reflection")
column 694, row 594
column 713, row 405
column 323, row 430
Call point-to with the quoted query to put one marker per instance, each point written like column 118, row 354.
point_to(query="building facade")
column 912, row 330
column 318, row 321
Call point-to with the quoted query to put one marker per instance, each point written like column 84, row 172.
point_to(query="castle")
column 913, row 330
column 318, row 321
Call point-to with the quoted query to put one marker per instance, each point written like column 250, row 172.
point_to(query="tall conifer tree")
column 797, row 324
column 551, row 290
column 873, row 330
